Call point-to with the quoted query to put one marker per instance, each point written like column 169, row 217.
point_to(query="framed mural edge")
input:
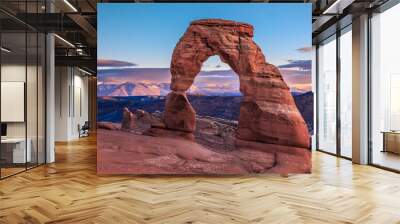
column 188, row 89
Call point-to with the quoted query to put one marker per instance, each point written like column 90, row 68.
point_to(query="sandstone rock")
column 128, row 120
column 272, row 123
column 145, row 120
column 162, row 132
column 215, row 133
column 255, row 161
column 210, row 131
column 179, row 114
column 126, row 153
column 288, row 159
column 268, row 113
column 108, row 126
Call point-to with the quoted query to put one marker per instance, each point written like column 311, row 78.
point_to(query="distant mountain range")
column 162, row 89
column 133, row 89
column 296, row 91
column 155, row 89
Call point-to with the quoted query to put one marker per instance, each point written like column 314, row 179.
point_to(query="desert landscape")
column 179, row 128
column 130, row 148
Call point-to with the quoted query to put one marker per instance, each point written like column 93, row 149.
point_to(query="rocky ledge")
column 212, row 132
column 141, row 145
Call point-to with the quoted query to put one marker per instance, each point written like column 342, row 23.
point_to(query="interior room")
column 157, row 111
column 22, row 102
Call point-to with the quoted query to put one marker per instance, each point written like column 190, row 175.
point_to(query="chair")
column 84, row 130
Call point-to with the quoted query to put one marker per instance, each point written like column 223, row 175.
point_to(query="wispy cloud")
column 304, row 49
column 156, row 75
column 302, row 65
column 105, row 63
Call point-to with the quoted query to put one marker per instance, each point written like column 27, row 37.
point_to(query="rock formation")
column 267, row 113
column 179, row 114
column 271, row 135
column 108, row 126
column 216, row 133
column 214, row 151
column 128, row 120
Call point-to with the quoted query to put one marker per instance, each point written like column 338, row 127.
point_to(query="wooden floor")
column 5, row 172
column 69, row 191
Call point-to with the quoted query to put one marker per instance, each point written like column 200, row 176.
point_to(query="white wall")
column 12, row 73
column 33, row 126
column 62, row 82
column 71, row 102
column 17, row 73
column 80, row 112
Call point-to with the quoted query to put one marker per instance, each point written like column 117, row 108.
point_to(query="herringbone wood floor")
column 69, row 191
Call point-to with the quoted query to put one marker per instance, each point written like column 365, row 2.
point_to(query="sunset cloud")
column 302, row 65
column 114, row 63
column 295, row 74
column 304, row 49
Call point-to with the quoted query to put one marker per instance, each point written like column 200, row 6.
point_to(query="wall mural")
column 203, row 99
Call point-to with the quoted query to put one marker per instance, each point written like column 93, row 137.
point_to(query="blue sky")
column 146, row 34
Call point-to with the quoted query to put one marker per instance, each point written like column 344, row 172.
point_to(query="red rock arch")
column 267, row 113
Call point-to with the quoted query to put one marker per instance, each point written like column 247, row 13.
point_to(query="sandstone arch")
column 267, row 113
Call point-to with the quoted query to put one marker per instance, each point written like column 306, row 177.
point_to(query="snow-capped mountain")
column 133, row 89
